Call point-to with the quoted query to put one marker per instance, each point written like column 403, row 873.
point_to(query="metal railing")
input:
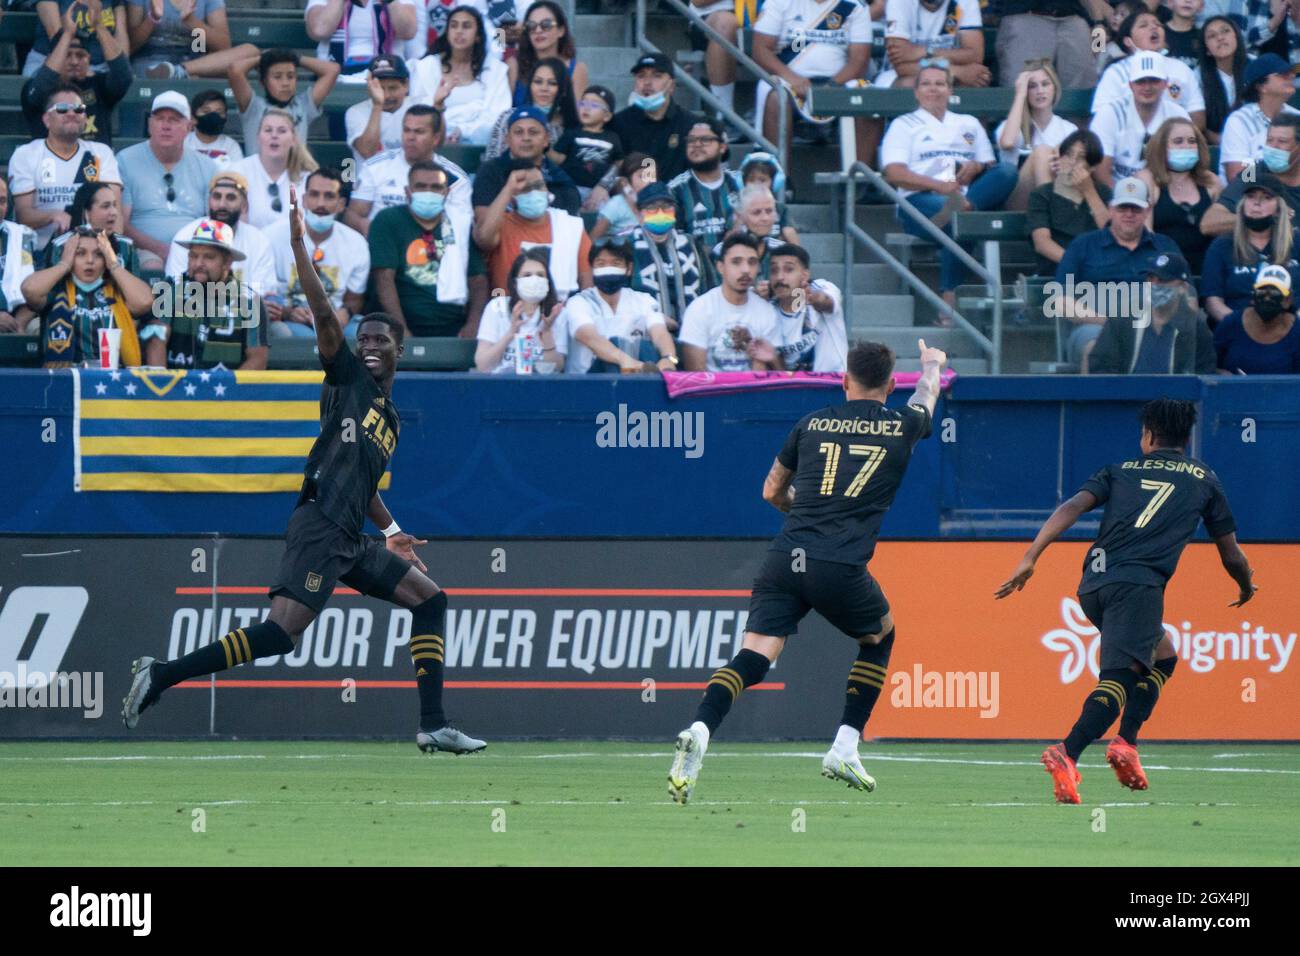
column 702, row 91
column 991, row 274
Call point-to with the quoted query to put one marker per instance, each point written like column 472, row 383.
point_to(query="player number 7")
column 1162, row 489
column 874, row 454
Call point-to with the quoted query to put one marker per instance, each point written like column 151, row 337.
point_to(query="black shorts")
column 1131, row 620
column 319, row 554
column 844, row 594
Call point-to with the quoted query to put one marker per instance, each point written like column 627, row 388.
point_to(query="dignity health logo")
column 1080, row 642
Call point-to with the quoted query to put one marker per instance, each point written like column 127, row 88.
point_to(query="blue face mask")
column 427, row 205
column 1181, row 160
column 88, row 286
column 532, row 204
column 317, row 223
column 1277, row 160
column 649, row 103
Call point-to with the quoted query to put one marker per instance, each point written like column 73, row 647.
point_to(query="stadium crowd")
column 596, row 235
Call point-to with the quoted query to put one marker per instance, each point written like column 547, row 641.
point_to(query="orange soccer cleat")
column 1123, row 759
column 1065, row 776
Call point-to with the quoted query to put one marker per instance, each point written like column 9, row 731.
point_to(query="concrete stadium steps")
column 961, row 365
column 902, row 339
column 874, row 311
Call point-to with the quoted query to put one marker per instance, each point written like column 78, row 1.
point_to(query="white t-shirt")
column 260, row 211
column 935, row 147
column 819, row 32
column 1245, row 132
column 362, row 37
column 940, row 29
column 635, row 315
column 1123, row 135
column 496, row 323
column 34, row 167
column 712, row 323
column 810, row 336
column 1184, row 85
column 1057, row 129
column 384, row 177
column 344, row 264
column 257, row 269
column 224, row 150
column 357, row 117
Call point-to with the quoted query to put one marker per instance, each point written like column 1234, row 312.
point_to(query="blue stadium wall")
column 517, row 458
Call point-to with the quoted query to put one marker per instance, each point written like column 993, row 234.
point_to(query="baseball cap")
column 653, row 61
column 1263, row 67
column 1273, row 277
column 527, row 112
column 1130, row 191
column 229, row 178
column 602, row 93
column 171, row 100
column 1169, row 268
column 389, row 68
column 1264, row 181
column 1148, row 65
column 209, row 232
column 654, row 192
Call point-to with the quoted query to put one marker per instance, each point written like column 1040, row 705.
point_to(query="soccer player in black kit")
column 835, row 478
column 1153, row 505
column 323, row 544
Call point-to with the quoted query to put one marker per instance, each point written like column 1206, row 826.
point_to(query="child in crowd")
column 619, row 217
column 587, row 154
column 207, row 129
column 277, row 71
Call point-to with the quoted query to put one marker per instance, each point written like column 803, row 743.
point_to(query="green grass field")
column 606, row 803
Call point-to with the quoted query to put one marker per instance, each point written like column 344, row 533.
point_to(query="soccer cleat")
column 1065, row 776
column 141, row 696
column 687, row 757
column 448, row 739
column 1123, row 759
column 847, row 767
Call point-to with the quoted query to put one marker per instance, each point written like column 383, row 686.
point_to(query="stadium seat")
column 20, row 350
column 422, row 354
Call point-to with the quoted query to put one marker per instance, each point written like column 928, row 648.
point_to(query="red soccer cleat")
column 1065, row 776
column 1123, row 759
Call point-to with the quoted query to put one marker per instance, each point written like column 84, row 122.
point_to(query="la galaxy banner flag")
column 207, row 431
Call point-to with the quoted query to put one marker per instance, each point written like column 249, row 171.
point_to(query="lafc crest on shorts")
column 313, row 582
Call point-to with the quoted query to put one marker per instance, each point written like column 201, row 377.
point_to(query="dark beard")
column 708, row 166
column 226, row 216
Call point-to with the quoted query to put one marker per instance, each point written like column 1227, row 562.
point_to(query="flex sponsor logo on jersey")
column 37, row 625
column 376, row 429
column 1203, row 650
column 77, row 909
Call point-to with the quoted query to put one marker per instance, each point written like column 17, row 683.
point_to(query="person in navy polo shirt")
column 1121, row 252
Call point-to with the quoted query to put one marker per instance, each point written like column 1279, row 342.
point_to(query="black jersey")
column 848, row 462
column 358, row 434
column 1153, row 505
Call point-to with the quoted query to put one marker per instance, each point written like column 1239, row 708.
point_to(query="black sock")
column 745, row 670
column 428, row 622
column 866, row 679
column 240, row 646
column 1105, row 702
column 1143, row 699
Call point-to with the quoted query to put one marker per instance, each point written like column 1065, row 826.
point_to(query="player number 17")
column 874, row 454
column 1162, row 489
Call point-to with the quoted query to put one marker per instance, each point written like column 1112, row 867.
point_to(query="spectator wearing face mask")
column 1279, row 166
column 618, row 216
column 1182, row 187
column 526, row 218
column 1261, row 339
column 1262, row 234
column 667, row 260
column 528, row 307
column 207, row 124
column 654, row 123
column 1268, row 85
column 614, row 328
column 1175, row 341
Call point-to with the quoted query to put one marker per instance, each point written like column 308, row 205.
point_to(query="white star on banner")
column 204, row 376
column 117, row 376
column 190, row 388
column 130, row 388
column 220, row 390
column 101, row 389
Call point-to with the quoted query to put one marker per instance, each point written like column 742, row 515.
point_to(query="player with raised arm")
column 1153, row 505
column 323, row 544
column 835, row 478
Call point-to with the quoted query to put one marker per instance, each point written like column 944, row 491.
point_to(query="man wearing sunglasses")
column 165, row 185
column 45, row 173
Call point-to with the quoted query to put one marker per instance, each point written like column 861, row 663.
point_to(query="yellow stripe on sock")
column 731, row 675
column 427, row 656
column 248, row 650
column 868, row 668
column 225, row 646
column 877, row 684
column 729, row 682
column 417, row 645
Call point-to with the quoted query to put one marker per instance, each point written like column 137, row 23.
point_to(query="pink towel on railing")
column 717, row 383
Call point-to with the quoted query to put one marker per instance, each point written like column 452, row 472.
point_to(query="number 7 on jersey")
column 874, row 454
column 1162, row 489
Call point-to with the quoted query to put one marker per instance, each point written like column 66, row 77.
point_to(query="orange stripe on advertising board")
column 967, row 666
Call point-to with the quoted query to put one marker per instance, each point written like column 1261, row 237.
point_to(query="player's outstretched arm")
column 1235, row 563
column 1062, row 519
column 395, row 539
column 329, row 336
column 927, row 386
column 777, row 489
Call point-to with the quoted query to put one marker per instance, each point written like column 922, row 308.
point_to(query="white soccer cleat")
column 142, row 693
column 687, row 758
column 847, row 767
column 449, row 740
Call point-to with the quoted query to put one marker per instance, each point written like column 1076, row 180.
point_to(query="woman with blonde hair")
column 1182, row 186
column 281, row 161
column 1032, row 133
column 1262, row 235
